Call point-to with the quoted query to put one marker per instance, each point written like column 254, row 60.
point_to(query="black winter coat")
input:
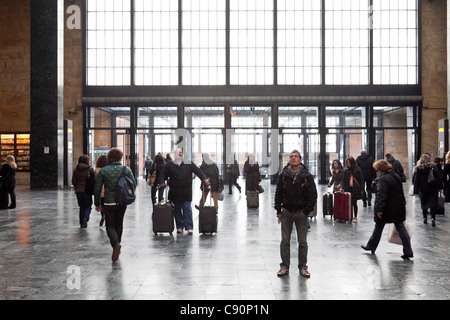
column 390, row 199
column 365, row 163
column 428, row 193
column 180, row 180
column 358, row 185
column 212, row 172
column 298, row 195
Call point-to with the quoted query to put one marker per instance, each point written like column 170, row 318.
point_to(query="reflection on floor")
column 45, row 255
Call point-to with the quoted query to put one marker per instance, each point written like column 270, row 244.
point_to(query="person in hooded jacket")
column 79, row 179
column 390, row 207
column 428, row 192
column 365, row 163
column 295, row 198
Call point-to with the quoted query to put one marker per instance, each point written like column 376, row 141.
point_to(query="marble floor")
column 45, row 255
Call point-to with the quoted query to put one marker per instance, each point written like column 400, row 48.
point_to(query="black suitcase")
column 207, row 218
column 327, row 204
column 252, row 199
column 163, row 217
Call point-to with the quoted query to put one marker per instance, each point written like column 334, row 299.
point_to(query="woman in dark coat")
column 389, row 208
column 253, row 177
column 446, row 177
column 428, row 193
column 353, row 182
column 337, row 175
column 211, row 171
column 158, row 166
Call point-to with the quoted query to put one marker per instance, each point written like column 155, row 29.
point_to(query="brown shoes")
column 283, row 272
column 116, row 252
column 304, row 272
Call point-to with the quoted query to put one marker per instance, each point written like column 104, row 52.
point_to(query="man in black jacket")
column 180, row 189
column 295, row 198
column 365, row 163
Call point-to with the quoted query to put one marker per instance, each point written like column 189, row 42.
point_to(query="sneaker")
column 189, row 232
column 355, row 220
column 283, row 272
column 304, row 272
column 179, row 230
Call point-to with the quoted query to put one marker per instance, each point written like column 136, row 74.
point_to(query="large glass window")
column 156, row 42
column 390, row 117
column 204, row 42
column 345, row 116
column 157, row 117
column 298, row 117
column 251, row 42
column 204, row 117
column 346, row 42
column 108, row 36
column 395, row 43
column 299, row 42
column 251, row 117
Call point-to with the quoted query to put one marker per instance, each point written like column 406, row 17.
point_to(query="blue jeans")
column 183, row 215
column 288, row 219
column 85, row 203
column 402, row 232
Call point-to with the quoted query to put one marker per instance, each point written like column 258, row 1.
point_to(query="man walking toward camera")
column 295, row 198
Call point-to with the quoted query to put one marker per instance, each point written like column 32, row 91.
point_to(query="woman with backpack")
column 108, row 177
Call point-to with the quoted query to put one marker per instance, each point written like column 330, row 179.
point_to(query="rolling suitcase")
column 162, row 217
column 343, row 209
column 327, row 204
column 252, row 199
column 207, row 219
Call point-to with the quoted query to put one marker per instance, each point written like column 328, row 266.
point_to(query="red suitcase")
column 343, row 209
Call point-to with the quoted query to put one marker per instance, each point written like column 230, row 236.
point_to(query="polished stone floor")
column 45, row 255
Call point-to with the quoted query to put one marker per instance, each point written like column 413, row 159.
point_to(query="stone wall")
column 434, row 72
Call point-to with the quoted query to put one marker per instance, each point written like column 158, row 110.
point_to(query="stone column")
column 47, row 85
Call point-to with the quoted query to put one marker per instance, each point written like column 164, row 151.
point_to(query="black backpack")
column 125, row 189
column 90, row 182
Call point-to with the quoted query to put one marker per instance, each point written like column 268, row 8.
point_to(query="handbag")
column 151, row 179
column 394, row 237
column 411, row 191
column 260, row 189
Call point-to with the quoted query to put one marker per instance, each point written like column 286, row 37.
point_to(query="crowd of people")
column 295, row 195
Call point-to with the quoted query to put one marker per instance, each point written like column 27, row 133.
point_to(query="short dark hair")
column 114, row 155
column 298, row 152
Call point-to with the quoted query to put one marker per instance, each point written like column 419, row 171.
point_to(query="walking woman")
column 353, row 182
column 79, row 180
column 158, row 166
column 337, row 174
column 446, row 177
column 8, row 174
column 427, row 189
column 390, row 207
column 102, row 161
